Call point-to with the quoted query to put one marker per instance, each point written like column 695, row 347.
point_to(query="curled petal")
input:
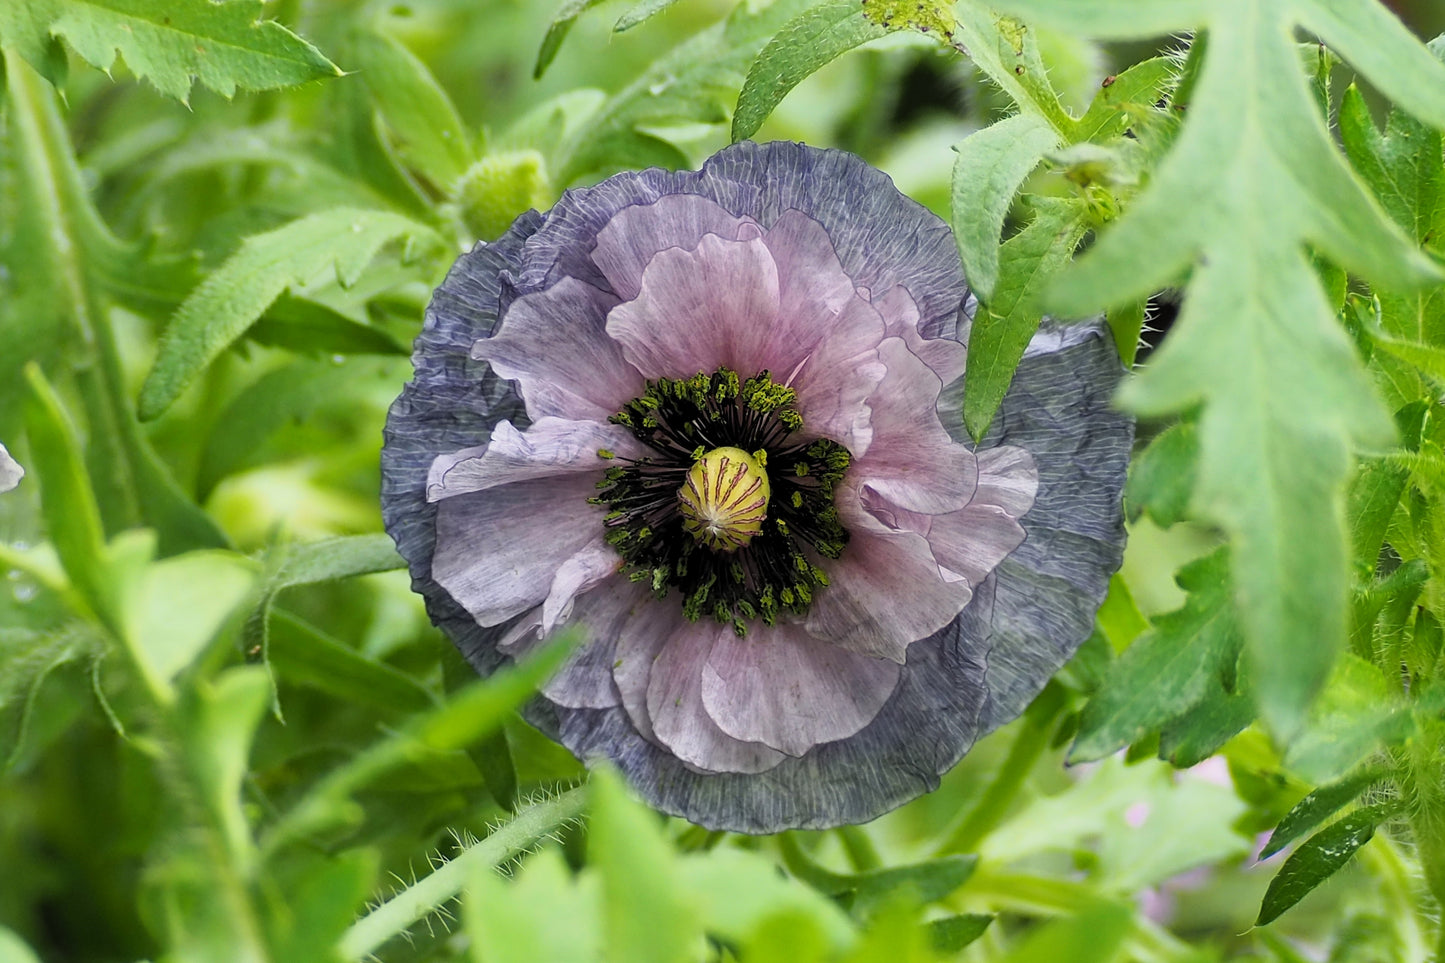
column 945, row 356
column 658, row 674
column 552, row 446
column 585, row 680
column 629, row 242
column 498, row 551
column 781, row 687
column 913, row 462
column 555, row 346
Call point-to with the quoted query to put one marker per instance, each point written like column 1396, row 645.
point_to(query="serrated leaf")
column 736, row 890
column 221, row 717
column 1166, row 671
column 1402, row 165
column 1188, row 740
column 1161, row 480
column 232, row 298
column 1007, row 51
column 1003, row 326
column 990, row 167
column 1283, row 394
column 1318, row 806
column 1320, row 857
column 816, row 37
column 426, row 129
column 640, row 14
column 1373, row 497
column 542, row 913
column 557, row 31
column 647, row 916
column 224, row 45
column 1125, row 97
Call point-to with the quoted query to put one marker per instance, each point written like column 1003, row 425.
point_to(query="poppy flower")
column 712, row 419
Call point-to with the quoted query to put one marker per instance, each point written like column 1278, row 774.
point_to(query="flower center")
column 725, row 498
column 729, row 507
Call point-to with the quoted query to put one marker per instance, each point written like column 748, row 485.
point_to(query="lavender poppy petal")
column 585, row 680
column 553, row 343
column 945, row 356
column 628, row 242
column 10, row 471
column 711, row 307
column 912, row 460
column 785, row 689
column 886, row 591
column 551, row 446
column 498, row 551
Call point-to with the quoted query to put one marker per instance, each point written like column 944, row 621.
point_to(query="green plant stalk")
column 1147, row 942
column 1383, row 860
column 1425, row 788
column 423, row 897
column 993, row 805
column 859, row 847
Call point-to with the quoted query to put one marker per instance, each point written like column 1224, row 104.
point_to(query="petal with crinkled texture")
column 551, row 446
column 629, row 242
column 711, row 307
column 913, row 462
column 498, row 551
column 554, row 344
column 658, row 674
column 585, row 679
column 885, row 592
column 781, row 687
column 945, row 356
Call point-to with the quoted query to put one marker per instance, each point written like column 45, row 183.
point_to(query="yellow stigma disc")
column 725, row 499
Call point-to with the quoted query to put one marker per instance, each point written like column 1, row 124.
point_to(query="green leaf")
column 1199, row 733
column 1165, row 672
column 72, row 518
column 231, row 299
column 694, row 83
column 1374, row 495
column 1092, row 936
column 1253, row 176
column 1126, row 324
column 1126, row 97
column 557, row 31
column 27, row 659
column 1318, row 806
column 1004, row 325
column 1161, row 479
column 735, row 891
column 471, row 714
column 543, row 913
column 172, row 43
column 647, row 916
column 221, row 718
column 990, row 167
column 641, row 13
column 1358, row 713
column 301, row 654
column 1403, row 165
column 15, row 950
column 426, row 129
column 1320, row 857
column 926, row 882
column 953, row 933
column 1007, row 51
column 814, row 38
column 173, row 608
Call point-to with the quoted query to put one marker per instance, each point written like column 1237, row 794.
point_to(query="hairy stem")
column 393, row 917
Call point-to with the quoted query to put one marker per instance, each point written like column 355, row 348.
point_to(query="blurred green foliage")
column 227, row 731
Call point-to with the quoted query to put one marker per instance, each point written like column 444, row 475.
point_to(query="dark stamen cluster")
column 682, row 419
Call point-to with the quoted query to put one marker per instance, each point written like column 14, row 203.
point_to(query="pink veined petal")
column 554, row 344
column 497, row 551
column 628, row 243
column 975, row 539
column 913, row 462
column 551, row 446
column 596, row 562
column 886, row 592
column 675, row 705
column 585, row 679
column 781, row 687
column 712, row 307
column 945, row 356
column 656, row 662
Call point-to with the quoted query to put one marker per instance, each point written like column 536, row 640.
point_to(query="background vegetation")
column 227, row 730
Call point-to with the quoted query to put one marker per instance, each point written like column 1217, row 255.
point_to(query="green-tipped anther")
column 725, row 499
